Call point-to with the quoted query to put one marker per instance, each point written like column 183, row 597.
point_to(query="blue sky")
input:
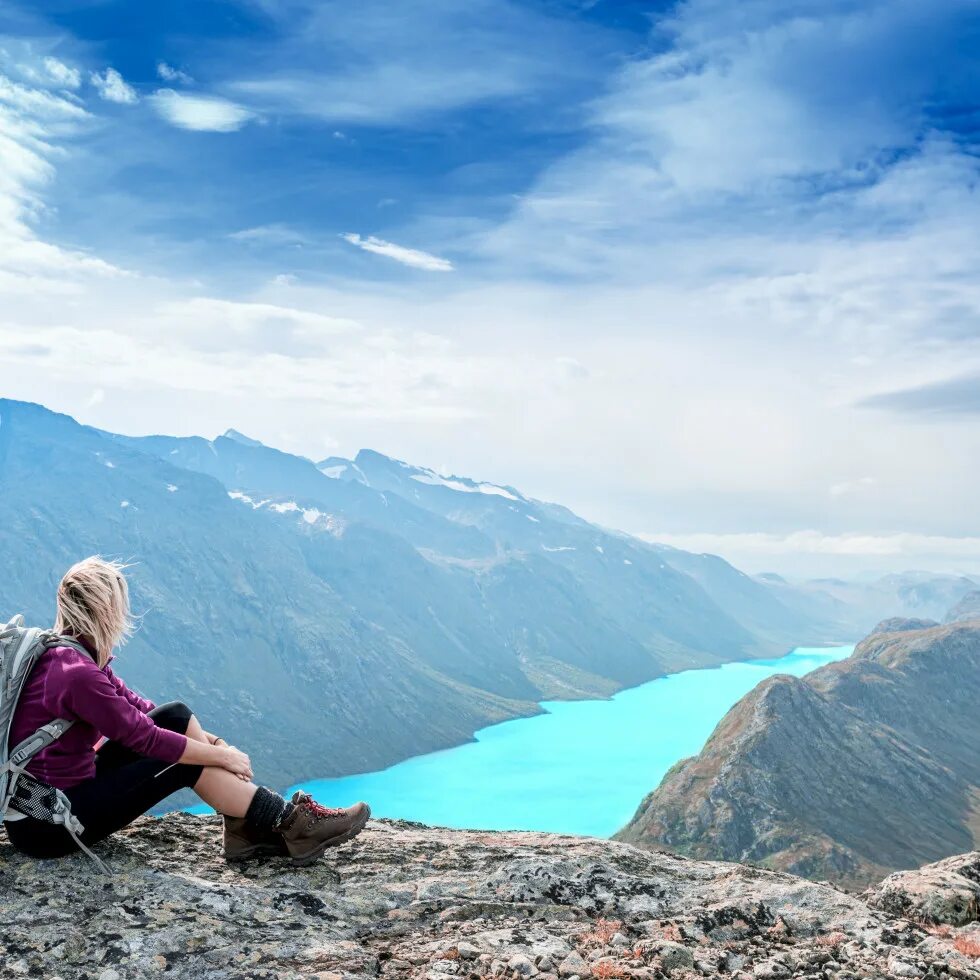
column 704, row 271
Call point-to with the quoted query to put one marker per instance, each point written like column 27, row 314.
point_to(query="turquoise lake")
column 581, row 768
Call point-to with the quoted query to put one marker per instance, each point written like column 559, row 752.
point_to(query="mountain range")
column 358, row 612
column 862, row 767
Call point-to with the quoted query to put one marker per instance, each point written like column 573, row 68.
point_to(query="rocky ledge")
column 407, row 901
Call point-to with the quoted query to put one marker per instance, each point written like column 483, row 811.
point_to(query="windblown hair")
column 93, row 603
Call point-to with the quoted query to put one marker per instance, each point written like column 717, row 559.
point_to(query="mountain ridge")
column 862, row 767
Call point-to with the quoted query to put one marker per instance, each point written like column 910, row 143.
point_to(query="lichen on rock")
column 407, row 901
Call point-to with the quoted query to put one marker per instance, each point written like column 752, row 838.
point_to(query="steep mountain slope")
column 863, row 766
column 540, row 562
column 967, row 608
column 688, row 618
column 236, row 621
column 437, row 584
column 355, row 624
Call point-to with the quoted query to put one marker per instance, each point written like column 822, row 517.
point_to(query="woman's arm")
column 81, row 690
column 141, row 704
column 222, row 756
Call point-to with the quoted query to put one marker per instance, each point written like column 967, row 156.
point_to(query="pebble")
column 467, row 951
column 572, row 965
column 674, row 956
column 899, row 968
column 521, row 965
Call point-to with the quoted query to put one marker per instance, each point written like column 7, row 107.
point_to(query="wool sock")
column 267, row 810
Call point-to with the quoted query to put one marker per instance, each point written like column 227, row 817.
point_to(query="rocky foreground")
column 411, row 901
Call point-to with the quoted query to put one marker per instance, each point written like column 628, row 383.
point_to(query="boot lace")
column 317, row 812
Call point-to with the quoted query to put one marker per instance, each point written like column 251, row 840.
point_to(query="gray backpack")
column 21, row 794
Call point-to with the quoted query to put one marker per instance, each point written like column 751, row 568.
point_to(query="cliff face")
column 862, row 767
column 406, row 901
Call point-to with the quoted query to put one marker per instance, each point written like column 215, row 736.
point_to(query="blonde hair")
column 93, row 603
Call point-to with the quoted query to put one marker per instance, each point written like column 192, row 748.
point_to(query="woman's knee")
column 174, row 715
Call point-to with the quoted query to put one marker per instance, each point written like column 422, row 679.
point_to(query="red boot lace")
column 317, row 812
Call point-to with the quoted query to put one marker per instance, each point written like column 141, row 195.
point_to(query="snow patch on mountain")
column 338, row 468
column 311, row 515
column 463, row 486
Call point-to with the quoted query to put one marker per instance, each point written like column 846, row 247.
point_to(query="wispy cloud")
column 62, row 74
column 413, row 257
column 170, row 74
column 275, row 234
column 33, row 123
column 112, row 87
column 376, row 63
column 951, row 396
column 200, row 112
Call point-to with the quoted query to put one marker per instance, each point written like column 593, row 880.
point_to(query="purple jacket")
column 67, row 684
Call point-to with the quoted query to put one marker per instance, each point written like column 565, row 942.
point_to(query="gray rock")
column 674, row 956
column 174, row 907
column 522, row 965
column 947, row 892
column 572, row 965
column 466, row 950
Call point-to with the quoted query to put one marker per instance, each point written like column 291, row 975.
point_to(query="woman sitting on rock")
column 149, row 752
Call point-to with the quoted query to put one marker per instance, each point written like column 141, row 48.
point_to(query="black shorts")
column 124, row 787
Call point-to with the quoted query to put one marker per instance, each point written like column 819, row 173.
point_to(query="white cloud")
column 271, row 234
column 200, row 112
column 112, row 87
column 374, row 62
column 62, row 74
column 32, row 122
column 170, row 74
column 407, row 256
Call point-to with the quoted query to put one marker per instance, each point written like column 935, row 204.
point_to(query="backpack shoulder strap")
column 52, row 640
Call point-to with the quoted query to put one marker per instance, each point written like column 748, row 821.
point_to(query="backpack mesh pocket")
column 35, row 799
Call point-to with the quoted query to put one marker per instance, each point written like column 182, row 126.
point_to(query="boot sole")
column 260, row 850
column 317, row 852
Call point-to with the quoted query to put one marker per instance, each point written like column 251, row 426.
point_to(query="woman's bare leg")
column 218, row 787
column 225, row 791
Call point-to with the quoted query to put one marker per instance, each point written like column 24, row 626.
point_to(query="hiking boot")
column 242, row 841
column 310, row 828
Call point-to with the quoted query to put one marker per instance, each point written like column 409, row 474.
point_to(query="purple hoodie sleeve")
column 131, row 696
column 86, row 692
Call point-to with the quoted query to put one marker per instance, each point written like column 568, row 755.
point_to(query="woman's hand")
column 236, row 761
